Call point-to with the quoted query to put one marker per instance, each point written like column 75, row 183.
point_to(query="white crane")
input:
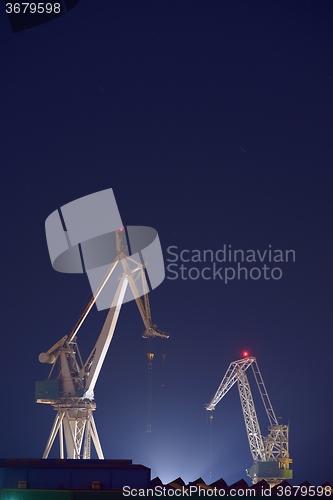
column 271, row 453
column 72, row 393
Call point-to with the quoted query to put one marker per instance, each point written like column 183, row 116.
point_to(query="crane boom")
column 229, row 379
column 250, row 418
column 93, row 365
column 92, row 302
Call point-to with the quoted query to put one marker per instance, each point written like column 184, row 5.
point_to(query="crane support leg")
column 61, row 441
column 54, row 431
column 76, row 428
column 95, row 438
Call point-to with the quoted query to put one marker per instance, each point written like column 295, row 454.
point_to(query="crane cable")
column 150, row 357
column 163, row 359
column 210, row 443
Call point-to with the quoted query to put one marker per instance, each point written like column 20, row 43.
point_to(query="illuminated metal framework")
column 270, row 453
column 72, row 393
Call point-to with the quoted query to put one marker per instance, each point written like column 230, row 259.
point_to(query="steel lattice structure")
column 271, row 453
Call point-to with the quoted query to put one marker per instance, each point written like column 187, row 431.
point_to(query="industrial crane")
column 71, row 393
column 271, row 453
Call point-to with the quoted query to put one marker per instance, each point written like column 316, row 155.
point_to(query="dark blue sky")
column 212, row 122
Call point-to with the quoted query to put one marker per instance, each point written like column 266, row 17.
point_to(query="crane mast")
column 271, row 453
column 72, row 393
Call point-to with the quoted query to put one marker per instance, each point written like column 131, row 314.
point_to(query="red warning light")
column 245, row 354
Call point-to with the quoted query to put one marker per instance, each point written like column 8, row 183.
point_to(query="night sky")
column 212, row 122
